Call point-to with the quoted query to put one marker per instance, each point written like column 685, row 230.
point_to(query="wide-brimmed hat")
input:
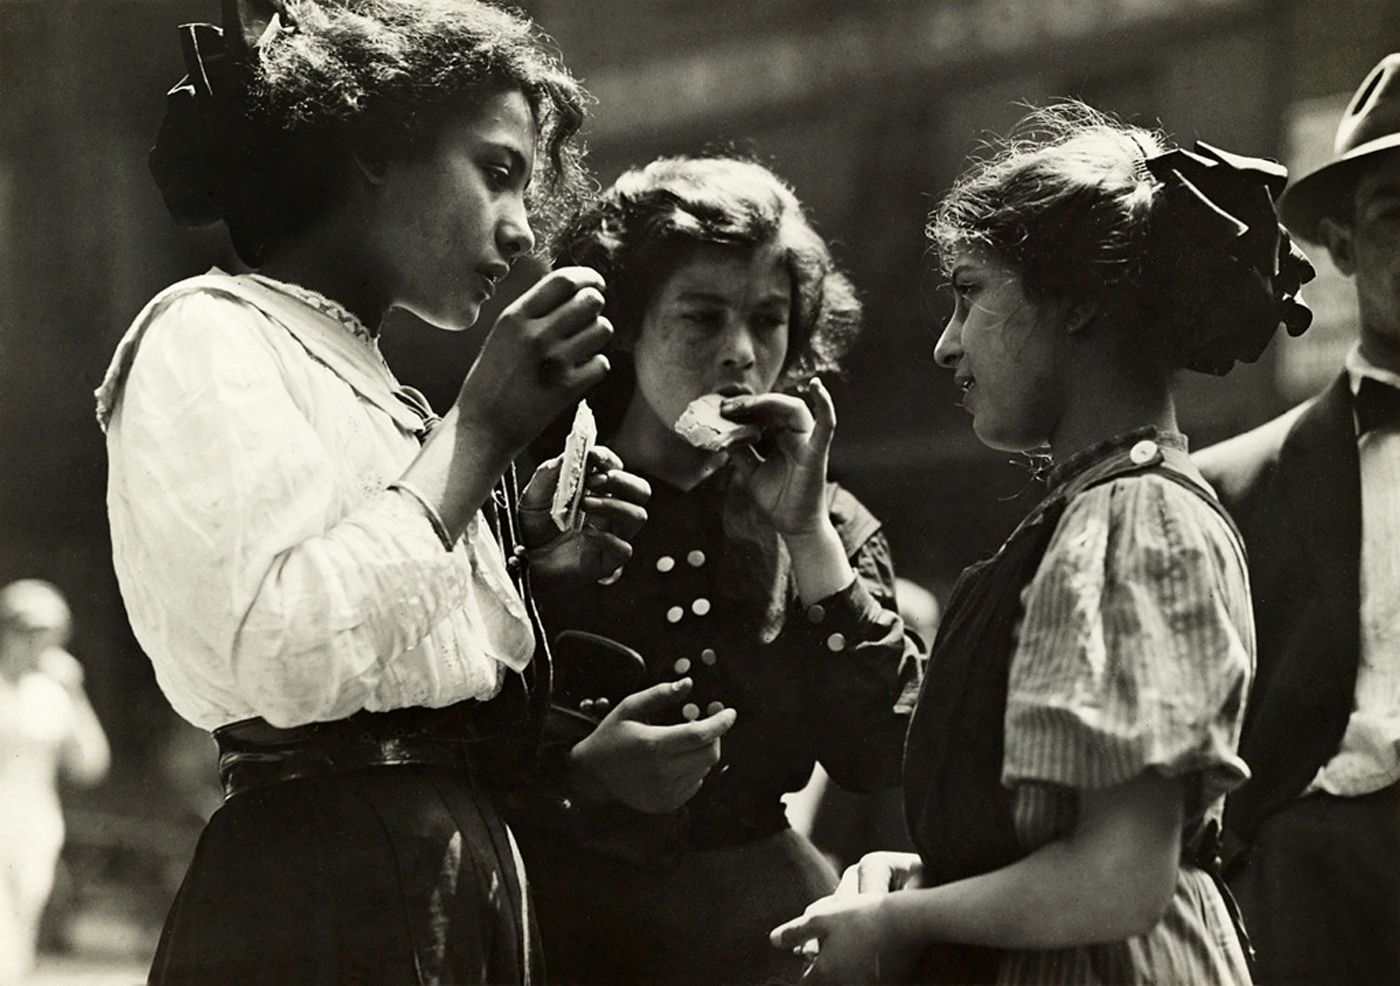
column 1370, row 125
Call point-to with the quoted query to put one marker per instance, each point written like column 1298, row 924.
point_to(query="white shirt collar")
column 1359, row 367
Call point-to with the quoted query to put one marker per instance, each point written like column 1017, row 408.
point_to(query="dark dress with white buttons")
column 689, row 897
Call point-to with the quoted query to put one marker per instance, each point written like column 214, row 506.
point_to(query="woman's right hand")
column 650, row 768
column 543, row 353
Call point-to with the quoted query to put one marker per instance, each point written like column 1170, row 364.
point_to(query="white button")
column 690, row 711
column 836, row 643
column 714, row 707
column 1143, row 451
column 695, row 558
column 700, row 607
column 815, row 613
column 708, row 656
column 681, row 666
column 665, row 563
column 674, row 614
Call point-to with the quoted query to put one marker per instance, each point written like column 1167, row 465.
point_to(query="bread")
column 703, row 426
column 573, row 469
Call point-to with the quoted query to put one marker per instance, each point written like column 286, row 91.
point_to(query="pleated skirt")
column 389, row 875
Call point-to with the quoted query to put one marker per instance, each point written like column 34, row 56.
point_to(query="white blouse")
column 266, row 568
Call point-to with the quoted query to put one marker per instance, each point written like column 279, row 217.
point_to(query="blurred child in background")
column 47, row 730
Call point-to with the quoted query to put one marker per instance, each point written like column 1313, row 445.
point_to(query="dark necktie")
column 1377, row 406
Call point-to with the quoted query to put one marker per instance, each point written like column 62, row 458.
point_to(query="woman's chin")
column 456, row 318
column 1005, row 439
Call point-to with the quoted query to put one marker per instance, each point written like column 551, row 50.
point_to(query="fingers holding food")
column 573, row 469
column 702, row 425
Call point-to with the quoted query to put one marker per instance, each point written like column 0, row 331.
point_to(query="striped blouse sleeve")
column 1136, row 646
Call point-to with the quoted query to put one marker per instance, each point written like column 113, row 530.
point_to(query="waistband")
column 253, row 753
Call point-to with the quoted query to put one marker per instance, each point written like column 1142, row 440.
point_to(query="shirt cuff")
column 841, row 620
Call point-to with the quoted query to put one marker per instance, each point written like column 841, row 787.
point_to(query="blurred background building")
column 867, row 106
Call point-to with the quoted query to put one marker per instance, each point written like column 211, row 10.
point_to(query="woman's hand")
column 614, row 511
column 647, row 767
column 844, row 936
column 848, row 939
column 544, row 351
column 1110, row 879
column 790, row 485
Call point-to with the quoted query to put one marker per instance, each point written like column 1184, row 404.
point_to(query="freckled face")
column 718, row 324
column 455, row 213
column 1002, row 350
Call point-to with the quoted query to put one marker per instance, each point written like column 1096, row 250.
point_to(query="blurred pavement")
column 106, row 949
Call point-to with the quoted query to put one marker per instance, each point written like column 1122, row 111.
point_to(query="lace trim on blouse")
column 326, row 306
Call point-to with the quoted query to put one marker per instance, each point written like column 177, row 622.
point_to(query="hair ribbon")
column 1223, row 203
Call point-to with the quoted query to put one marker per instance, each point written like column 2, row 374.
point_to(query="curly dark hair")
column 376, row 76
column 643, row 228
column 1087, row 208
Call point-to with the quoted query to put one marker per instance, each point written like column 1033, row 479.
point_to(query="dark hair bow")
column 195, row 156
column 1240, row 267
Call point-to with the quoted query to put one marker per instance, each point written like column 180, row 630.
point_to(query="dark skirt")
column 701, row 922
column 387, row 875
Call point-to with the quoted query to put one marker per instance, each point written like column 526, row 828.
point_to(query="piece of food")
column 703, row 426
column 573, row 470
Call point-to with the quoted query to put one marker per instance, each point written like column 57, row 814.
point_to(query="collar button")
column 1143, row 452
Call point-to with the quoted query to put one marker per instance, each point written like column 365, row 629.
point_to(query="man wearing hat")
column 1316, row 493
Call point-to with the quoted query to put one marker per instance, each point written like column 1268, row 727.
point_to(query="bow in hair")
column 1239, row 262
column 194, row 152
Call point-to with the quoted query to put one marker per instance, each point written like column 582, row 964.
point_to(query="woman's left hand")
column 880, row 873
column 614, row 511
column 847, row 939
column 790, row 485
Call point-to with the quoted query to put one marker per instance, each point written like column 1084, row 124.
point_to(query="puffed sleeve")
column 862, row 669
column 264, row 569
column 1136, row 647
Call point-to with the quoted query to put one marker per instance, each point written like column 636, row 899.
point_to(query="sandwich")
column 703, row 426
column 573, row 470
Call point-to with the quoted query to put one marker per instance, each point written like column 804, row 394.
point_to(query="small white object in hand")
column 568, row 495
column 703, row 426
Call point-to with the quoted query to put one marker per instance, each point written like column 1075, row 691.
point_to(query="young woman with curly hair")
column 759, row 598
column 309, row 557
column 1077, row 732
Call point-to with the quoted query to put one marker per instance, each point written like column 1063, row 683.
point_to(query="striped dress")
column 1134, row 653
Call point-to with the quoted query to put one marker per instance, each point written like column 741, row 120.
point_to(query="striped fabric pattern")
column 1135, row 653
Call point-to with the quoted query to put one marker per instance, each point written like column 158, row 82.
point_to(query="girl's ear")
column 1081, row 314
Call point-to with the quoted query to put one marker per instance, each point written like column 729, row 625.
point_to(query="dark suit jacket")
column 1294, row 487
